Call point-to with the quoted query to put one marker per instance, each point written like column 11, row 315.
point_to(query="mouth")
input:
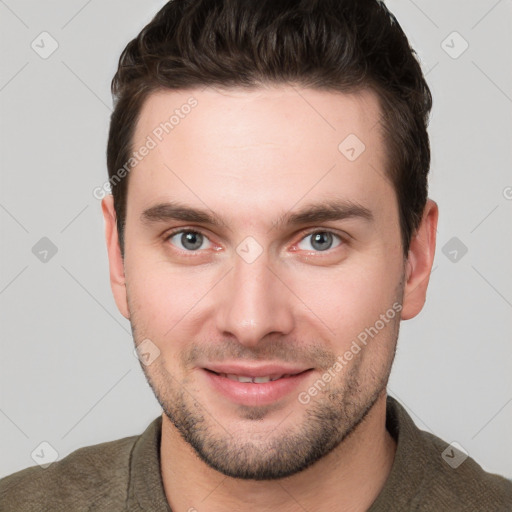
column 254, row 379
column 246, row 388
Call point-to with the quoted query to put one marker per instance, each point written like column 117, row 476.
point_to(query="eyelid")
column 335, row 232
column 184, row 229
column 343, row 239
column 311, row 231
column 170, row 234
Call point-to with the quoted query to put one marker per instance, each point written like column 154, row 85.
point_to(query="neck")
column 349, row 478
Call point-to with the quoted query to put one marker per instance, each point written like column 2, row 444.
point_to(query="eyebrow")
column 318, row 212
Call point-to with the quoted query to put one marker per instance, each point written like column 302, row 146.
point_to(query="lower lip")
column 248, row 393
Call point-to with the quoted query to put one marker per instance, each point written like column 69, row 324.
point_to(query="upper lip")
column 261, row 370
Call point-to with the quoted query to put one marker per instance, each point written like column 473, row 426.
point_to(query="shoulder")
column 88, row 477
column 457, row 482
column 429, row 473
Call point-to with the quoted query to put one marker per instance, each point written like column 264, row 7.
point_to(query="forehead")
column 275, row 115
column 237, row 149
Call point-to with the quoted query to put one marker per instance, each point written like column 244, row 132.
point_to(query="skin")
column 250, row 156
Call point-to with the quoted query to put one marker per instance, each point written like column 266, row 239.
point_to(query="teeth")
column 239, row 378
column 259, row 380
column 256, row 380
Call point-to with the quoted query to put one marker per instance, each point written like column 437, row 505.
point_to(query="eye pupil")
column 194, row 238
column 321, row 237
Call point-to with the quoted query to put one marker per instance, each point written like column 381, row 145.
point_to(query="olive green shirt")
column 125, row 475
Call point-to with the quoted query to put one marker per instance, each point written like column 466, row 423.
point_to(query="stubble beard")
column 327, row 421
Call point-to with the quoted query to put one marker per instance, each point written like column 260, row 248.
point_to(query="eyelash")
column 169, row 235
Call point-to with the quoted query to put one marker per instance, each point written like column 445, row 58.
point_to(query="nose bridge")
column 254, row 301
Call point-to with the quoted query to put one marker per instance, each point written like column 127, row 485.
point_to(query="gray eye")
column 320, row 241
column 189, row 240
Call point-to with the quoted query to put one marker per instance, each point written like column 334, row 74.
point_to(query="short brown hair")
column 334, row 45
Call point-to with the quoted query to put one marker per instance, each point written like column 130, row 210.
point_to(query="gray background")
column 68, row 375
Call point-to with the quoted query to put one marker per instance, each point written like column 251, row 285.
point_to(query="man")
column 269, row 228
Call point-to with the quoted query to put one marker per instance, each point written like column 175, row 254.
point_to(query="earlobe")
column 116, row 264
column 419, row 262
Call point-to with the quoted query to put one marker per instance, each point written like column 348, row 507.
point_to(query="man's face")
column 254, row 290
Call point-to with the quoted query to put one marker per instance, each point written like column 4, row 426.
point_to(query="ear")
column 419, row 262
column 116, row 264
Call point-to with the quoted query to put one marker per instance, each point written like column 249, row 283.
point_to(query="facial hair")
column 328, row 419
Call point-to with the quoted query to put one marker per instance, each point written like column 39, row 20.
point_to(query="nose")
column 253, row 302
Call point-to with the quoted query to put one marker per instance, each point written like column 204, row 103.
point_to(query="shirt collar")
column 406, row 474
column 146, row 488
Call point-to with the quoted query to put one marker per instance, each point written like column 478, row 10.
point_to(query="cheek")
column 164, row 299
column 350, row 298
